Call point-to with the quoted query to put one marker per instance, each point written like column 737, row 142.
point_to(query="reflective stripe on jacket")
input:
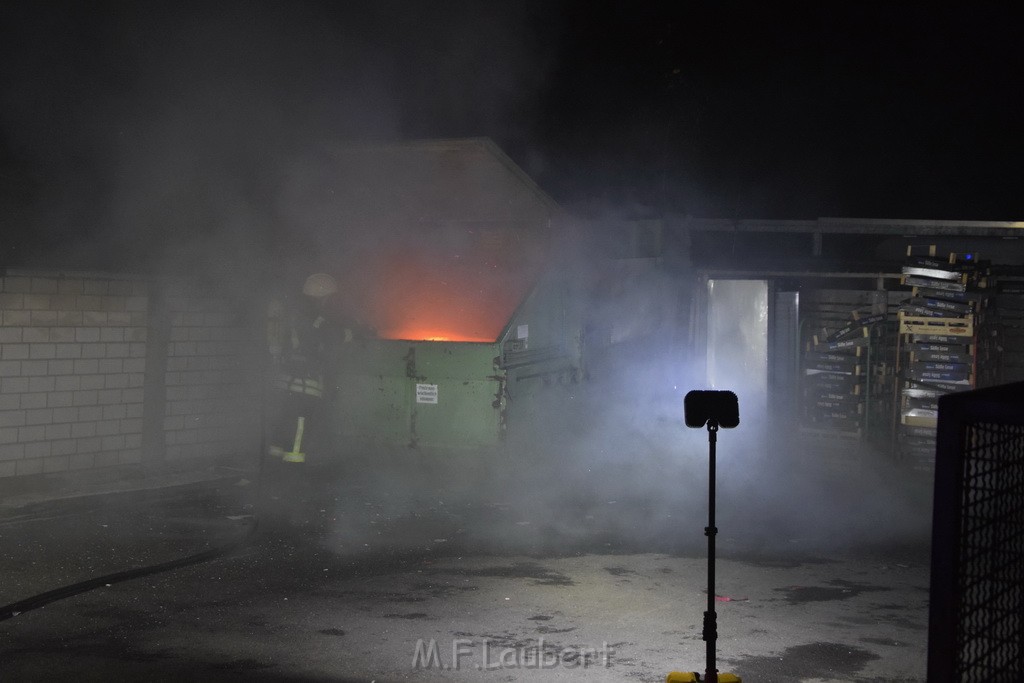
column 301, row 385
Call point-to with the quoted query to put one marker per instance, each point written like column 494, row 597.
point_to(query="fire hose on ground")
column 42, row 599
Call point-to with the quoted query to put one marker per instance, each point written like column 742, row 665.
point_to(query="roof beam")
column 863, row 226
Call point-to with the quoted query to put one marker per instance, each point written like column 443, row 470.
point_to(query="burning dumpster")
column 470, row 319
column 448, row 391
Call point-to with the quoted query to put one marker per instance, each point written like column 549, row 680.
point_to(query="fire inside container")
column 460, row 297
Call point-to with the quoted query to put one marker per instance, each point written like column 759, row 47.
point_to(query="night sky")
column 123, row 121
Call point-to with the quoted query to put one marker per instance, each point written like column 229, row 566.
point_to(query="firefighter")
column 298, row 340
column 301, row 343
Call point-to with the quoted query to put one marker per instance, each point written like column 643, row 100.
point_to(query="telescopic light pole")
column 710, row 634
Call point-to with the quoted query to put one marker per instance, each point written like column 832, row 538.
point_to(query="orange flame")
column 429, row 297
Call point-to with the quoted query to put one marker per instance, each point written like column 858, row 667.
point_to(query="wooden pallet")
column 919, row 421
column 954, row 327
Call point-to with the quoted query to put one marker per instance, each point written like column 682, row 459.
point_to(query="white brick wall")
column 73, row 367
column 212, row 379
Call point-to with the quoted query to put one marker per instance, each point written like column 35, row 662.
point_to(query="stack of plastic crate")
column 836, row 366
column 941, row 343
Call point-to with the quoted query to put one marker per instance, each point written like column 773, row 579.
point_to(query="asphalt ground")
column 350, row 578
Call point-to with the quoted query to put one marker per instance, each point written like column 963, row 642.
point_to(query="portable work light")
column 715, row 409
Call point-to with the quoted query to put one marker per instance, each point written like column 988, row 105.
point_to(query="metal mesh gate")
column 976, row 625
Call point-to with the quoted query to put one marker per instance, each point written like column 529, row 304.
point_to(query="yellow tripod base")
column 688, row 677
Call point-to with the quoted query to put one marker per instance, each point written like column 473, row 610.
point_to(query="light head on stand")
column 712, row 408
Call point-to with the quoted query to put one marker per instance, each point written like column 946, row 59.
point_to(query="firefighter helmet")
column 319, row 285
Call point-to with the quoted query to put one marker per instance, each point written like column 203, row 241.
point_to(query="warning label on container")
column 426, row 393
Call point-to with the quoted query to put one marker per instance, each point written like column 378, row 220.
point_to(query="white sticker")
column 426, row 393
column 523, row 332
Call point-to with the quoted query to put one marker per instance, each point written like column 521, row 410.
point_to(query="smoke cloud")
column 191, row 138
column 147, row 128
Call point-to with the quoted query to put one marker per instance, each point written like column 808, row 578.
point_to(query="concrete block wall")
column 77, row 377
column 212, row 396
column 72, row 359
